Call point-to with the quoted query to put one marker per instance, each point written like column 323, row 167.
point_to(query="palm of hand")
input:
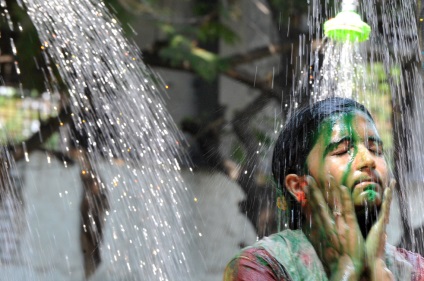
column 336, row 232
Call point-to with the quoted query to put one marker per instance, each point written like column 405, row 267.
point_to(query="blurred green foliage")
column 183, row 43
column 238, row 154
column 378, row 99
column 21, row 116
column 182, row 50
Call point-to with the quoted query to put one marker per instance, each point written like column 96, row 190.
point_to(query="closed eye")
column 342, row 148
column 375, row 147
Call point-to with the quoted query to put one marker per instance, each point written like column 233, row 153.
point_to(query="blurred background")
column 232, row 72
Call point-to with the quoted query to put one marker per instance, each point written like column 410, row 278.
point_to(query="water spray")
column 347, row 25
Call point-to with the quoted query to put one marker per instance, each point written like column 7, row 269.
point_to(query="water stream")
column 132, row 145
column 116, row 106
column 394, row 45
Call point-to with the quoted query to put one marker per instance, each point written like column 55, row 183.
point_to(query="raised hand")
column 376, row 240
column 335, row 232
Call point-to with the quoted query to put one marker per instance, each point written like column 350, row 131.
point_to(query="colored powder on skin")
column 372, row 194
column 326, row 129
column 346, row 124
column 348, row 121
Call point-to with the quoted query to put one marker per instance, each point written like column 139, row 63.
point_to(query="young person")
column 329, row 162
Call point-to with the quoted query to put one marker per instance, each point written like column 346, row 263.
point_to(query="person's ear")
column 296, row 184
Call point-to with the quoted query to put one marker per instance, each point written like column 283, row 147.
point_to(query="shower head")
column 347, row 26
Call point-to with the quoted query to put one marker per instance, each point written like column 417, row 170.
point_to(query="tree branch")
column 152, row 58
column 138, row 8
column 258, row 53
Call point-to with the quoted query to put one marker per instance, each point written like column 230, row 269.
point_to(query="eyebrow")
column 334, row 143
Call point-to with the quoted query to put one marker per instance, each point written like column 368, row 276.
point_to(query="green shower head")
column 347, row 26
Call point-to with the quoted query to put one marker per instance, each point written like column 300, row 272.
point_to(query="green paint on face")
column 372, row 194
column 325, row 130
column 348, row 126
column 345, row 121
column 346, row 129
column 340, row 129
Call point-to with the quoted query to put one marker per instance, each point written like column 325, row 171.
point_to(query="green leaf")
column 384, row 87
column 238, row 154
column 212, row 31
column 263, row 138
column 182, row 51
column 168, row 29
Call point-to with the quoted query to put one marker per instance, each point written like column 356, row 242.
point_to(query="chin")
column 367, row 197
column 367, row 215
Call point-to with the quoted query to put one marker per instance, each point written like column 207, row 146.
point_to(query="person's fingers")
column 392, row 184
column 337, row 206
column 311, row 182
column 311, row 186
column 319, row 207
column 347, row 205
column 320, row 210
column 383, row 221
column 316, row 222
column 384, row 215
column 351, row 232
column 336, row 194
column 376, row 239
column 318, row 203
column 387, row 200
column 342, row 198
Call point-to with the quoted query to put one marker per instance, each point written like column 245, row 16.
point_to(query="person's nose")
column 365, row 159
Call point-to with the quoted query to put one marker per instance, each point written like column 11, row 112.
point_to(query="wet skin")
column 349, row 149
column 347, row 176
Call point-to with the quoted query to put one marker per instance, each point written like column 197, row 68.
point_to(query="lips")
column 367, row 189
column 368, row 183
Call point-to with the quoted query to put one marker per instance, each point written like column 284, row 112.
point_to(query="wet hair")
column 297, row 139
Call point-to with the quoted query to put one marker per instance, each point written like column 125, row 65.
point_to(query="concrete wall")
column 49, row 240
